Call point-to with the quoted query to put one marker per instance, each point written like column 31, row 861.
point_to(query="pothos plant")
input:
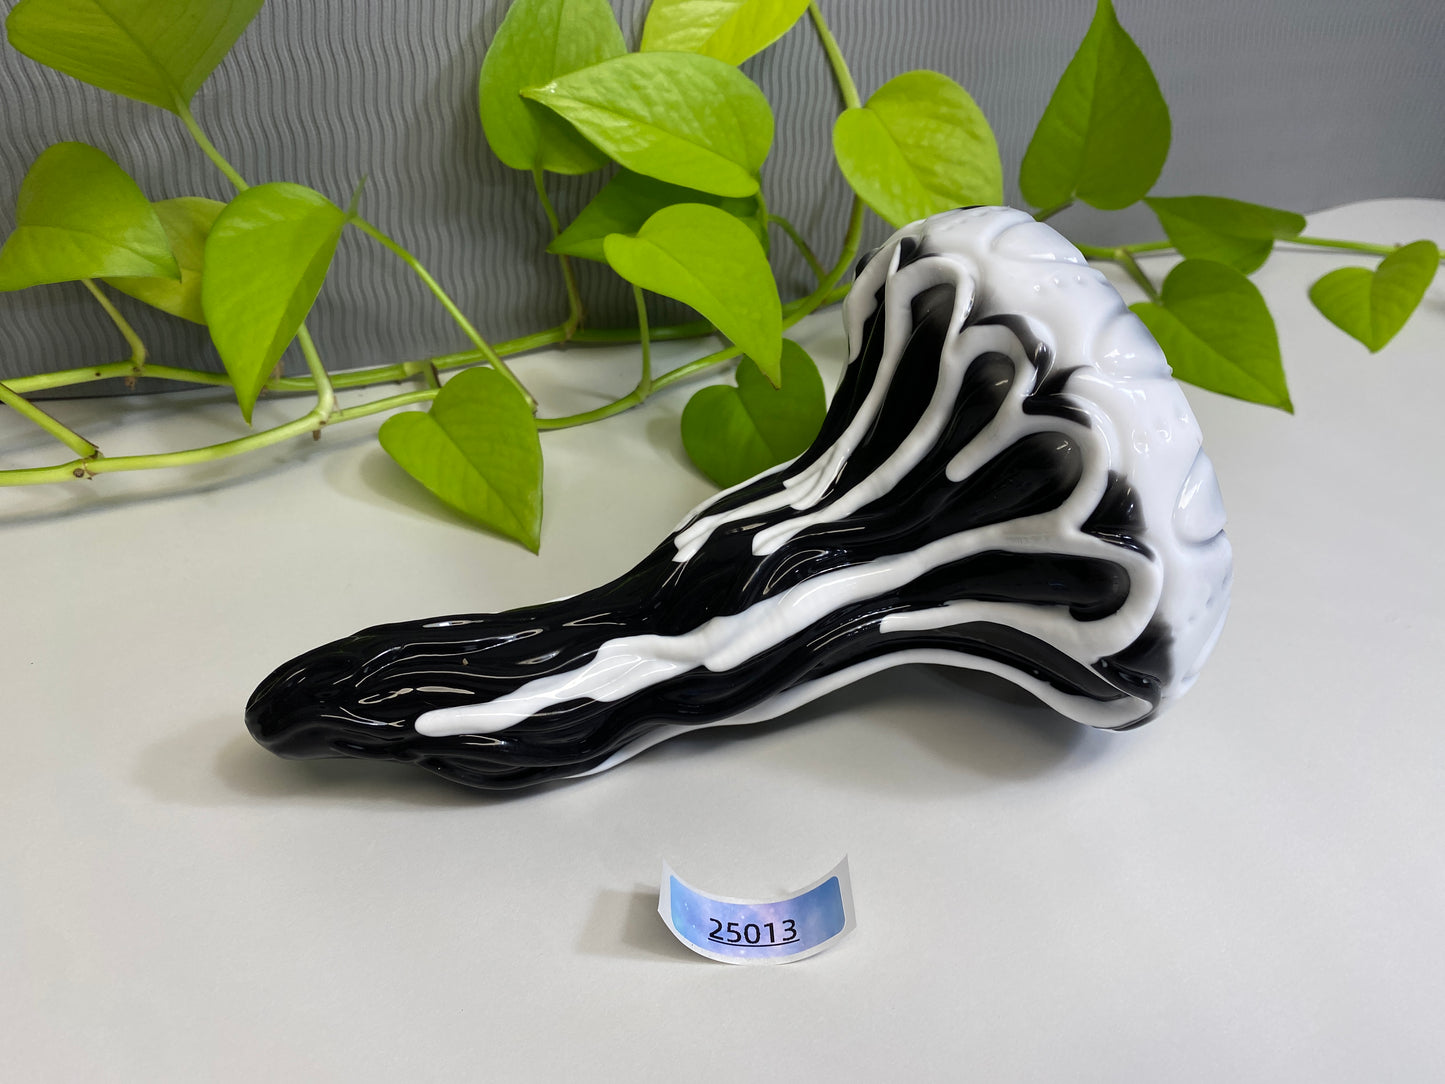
column 683, row 215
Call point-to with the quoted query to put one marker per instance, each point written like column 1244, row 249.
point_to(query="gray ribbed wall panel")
column 1305, row 104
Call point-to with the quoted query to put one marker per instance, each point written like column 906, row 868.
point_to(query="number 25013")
column 753, row 933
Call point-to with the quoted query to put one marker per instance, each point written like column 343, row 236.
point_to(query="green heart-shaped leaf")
column 734, row 433
column 1227, row 231
column 1372, row 306
column 919, row 146
column 538, row 41
column 706, row 258
column 680, row 117
column 730, row 30
column 265, row 260
column 80, row 216
column 155, row 51
column 1216, row 331
column 1105, row 133
column 630, row 199
column 476, row 449
column 187, row 221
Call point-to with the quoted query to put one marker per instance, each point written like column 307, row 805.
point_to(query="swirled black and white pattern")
column 1008, row 479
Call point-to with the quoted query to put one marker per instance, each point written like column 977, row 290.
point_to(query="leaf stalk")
column 644, row 382
column 836, row 61
column 1125, row 259
column 57, row 429
column 325, row 394
column 801, row 245
column 209, row 149
column 447, row 303
column 138, row 352
column 569, row 273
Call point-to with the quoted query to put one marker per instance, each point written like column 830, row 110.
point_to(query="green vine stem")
column 830, row 281
column 325, row 394
column 354, row 378
column 209, row 149
column 838, row 64
column 1347, row 246
column 692, row 368
column 632, row 399
column 61, row 432
column 801, row 245
column 569, row 273
column 644, row 382
column 66, row 378
column 87, row 467
column 138, row 352
column 692, row 329
column 827, row 293
column 844, row 77
column 380, row 406
column 1124, row 255
column 1126, row 260
column 447, row 303
column 1105, row 252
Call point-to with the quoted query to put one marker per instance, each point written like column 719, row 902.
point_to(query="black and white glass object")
column 1008, row 480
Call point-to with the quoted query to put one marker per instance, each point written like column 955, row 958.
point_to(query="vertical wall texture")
column 1300, row 103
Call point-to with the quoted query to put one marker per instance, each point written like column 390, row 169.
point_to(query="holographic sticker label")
column 738, row 931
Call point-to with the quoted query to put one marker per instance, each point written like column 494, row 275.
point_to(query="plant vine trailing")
column 683, row 215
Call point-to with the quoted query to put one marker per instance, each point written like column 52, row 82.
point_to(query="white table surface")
column 1250, row 888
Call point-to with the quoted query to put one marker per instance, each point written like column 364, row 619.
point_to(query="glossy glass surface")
column 977, row 497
